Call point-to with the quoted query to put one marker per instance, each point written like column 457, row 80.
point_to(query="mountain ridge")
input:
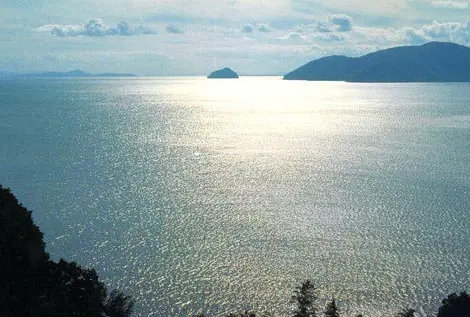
column 430, row 62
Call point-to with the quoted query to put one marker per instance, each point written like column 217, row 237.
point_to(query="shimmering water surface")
column 190, row 193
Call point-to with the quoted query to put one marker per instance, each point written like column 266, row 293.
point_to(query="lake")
column 189, row 193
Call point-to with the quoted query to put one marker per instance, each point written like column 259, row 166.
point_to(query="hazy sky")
column 163, row 37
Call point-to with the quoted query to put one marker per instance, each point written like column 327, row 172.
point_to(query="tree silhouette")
column 243, row 313
column 406, row 312
column 304, row 299
column 32, row 285
column 118, row 305
column 455, row 306
column 331, row 309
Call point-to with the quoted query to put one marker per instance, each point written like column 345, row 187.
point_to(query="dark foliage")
column 406, row 312
column 331, row 309
column 455, row 306
column 32, row 285
column 304, row 299
column 243, row 313
column 118, row 305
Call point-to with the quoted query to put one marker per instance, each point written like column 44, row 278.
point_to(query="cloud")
column 342, row 21
column 324, row 27
column 450, row 4
column 296, row 36
column 413, row 36
column 328, row 37
column 453, row 31
column 364, row 7
column 335, row 22
column 171, row 28
column 264, row 28
column 247, row 28
column 94, row 27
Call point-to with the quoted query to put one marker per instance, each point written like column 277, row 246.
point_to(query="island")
column 223, row 73
column 431, row 62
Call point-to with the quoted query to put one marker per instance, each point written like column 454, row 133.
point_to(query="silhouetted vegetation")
column 455, row 306
column 118, row 305
column 243, row 313
column 406, row 312
column 304, row 299
column 33, row 285
column 331, row 309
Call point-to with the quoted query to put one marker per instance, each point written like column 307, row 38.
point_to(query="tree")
column 118, row 305
column 455, row 306
column 32, row 285
column 242, row 313
column 304, row 299
column 331, row 309
column 406, row 312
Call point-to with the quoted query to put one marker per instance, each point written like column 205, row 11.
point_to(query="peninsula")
column 431, row 62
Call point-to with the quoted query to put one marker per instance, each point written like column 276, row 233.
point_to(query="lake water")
column 189, row 193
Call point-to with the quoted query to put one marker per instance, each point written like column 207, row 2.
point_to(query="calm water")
column 189, row 193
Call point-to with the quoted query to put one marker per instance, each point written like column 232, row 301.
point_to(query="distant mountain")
column 6, row 74
column 223, row 73
column 75, row 73
column 115, row 75
column 431, row 62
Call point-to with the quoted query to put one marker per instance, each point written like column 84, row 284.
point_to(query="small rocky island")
column 223, row 73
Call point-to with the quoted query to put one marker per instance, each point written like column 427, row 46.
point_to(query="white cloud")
column 343, row 22
column 328, row 37
column 292, row 36
column 450, row 31
column 296, row 37
column 264, row 28
column 323, row 26
column 335, row 22
column 413, row 36
column 364, row 7
column 94, row 27
column 450, row 4
column 247, row 28
column 171, row 28
column 436, row 31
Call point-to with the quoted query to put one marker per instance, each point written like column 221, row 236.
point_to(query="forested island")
column 431, row 62
column 32, row 285
column 223, row 73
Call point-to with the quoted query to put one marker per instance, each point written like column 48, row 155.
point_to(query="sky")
column 195, row 37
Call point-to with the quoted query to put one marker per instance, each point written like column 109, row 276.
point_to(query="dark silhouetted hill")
column 431, row 62
column 33, row 285
column 223, row 73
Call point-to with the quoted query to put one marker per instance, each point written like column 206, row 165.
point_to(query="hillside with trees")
column 431, row 62
column 31, row 285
